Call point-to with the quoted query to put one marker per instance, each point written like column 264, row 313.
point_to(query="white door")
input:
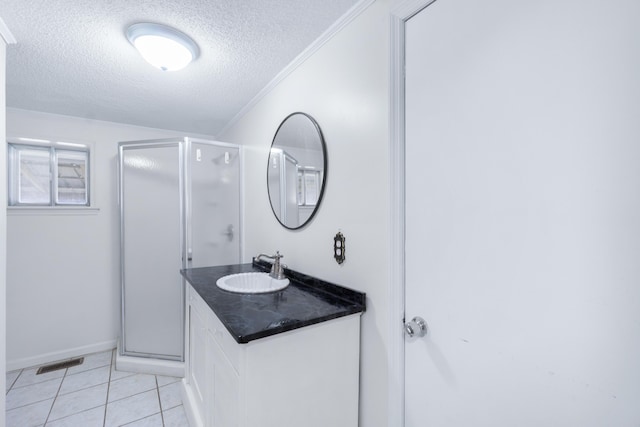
column 522, row 213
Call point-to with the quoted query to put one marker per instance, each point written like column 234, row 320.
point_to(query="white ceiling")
column 73, row 58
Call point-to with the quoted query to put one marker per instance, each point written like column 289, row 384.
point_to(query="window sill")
column 52, row 210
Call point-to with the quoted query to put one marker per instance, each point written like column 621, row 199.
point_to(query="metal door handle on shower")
column 229, row 232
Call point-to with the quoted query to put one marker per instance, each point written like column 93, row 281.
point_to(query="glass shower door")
column 213, row 228
column 151, row 213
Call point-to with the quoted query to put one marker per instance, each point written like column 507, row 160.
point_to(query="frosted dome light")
column 163, row 47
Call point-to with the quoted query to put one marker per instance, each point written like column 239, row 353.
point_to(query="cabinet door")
column 197, row 357
column 225, row 388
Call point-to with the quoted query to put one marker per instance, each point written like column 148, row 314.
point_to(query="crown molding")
column 342, row 22
column 6, row 34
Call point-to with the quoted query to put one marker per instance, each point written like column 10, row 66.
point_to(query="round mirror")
column 296, row 170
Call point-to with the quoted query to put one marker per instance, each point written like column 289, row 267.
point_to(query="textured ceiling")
column 72, row 57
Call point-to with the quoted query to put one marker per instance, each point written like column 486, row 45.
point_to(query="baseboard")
column 56, row 356
column 193, row 415
column 145, row 365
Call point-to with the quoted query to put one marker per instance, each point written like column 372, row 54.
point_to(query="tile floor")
column 93, row 394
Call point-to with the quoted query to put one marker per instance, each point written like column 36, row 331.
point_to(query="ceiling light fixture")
column 161, row 46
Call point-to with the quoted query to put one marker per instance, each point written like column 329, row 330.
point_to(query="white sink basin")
column 251, row 283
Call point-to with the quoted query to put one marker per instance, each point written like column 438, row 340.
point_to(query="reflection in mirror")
column 296, row 170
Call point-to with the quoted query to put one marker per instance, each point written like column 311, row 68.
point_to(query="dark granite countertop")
column 306, row 301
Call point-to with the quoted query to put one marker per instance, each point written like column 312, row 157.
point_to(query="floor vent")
column 60, row 365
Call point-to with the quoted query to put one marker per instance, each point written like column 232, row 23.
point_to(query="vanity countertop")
column 306, row 301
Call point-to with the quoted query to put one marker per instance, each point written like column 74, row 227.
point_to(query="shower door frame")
column 184, row 151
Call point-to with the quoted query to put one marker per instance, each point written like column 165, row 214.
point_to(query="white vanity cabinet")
column 196, row 352
column 304, row 377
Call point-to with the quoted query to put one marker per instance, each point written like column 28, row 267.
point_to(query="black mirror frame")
column 324, row 172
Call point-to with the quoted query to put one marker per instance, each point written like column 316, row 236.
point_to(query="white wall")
column 344, row 86
column 3, row 224
column 63, row 285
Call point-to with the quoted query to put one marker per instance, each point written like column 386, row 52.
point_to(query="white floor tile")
column 170, row 396
column 91, row 418
column 29, row 377
column 11, row 378
column 92, row 361
column 175, row 417
column 152, row 421
column 79, row 401
column 32, row 393
column 78, row 381
column 77, row 397
column 30, row 415
column 116, row 375
column 132, row 408
column 162, row 380
column 129, row 386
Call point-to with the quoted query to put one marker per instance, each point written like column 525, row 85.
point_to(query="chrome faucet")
column 277, row 269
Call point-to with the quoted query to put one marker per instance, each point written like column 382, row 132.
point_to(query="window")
column 42, row 175
column 309, row 181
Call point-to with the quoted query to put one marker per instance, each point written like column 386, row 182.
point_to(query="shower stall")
column 180, row 207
